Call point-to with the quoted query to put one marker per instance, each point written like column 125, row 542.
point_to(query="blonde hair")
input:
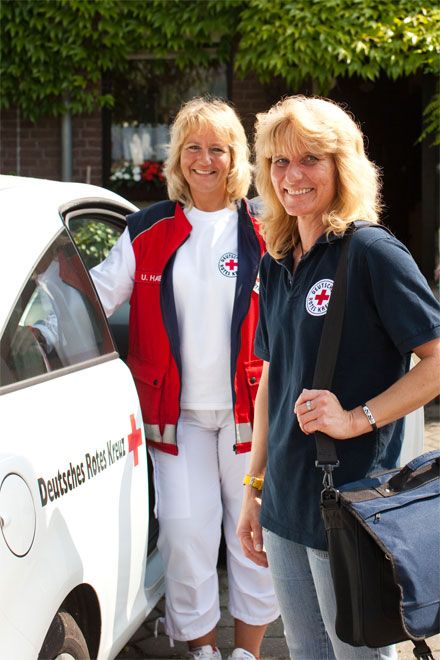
column 319, row 126
column 198, row 114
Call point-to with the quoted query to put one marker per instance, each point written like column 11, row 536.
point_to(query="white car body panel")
column 96, row 531
column 38, row 202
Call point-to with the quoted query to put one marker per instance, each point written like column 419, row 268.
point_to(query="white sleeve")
column 114, row 276
column 49, row 329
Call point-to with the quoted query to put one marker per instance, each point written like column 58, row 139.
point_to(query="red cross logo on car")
column 134, row 439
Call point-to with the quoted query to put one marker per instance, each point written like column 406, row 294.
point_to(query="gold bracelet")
column 255, row 482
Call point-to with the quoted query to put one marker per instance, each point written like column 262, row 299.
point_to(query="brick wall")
column 249, row 96
column 87, row 148
column 30, row 149
column 35, row 149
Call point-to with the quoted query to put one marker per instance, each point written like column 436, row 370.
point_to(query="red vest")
column 154, row 352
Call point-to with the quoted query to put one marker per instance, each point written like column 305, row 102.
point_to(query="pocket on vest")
column 149, row 380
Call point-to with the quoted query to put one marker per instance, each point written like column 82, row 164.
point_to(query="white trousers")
column 195, row 492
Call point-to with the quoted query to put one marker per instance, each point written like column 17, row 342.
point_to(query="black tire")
column 64, row 636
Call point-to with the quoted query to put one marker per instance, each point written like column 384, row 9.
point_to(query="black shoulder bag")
column 383, row 531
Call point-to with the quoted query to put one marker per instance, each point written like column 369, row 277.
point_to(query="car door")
column 73, row 465
column 95, row 227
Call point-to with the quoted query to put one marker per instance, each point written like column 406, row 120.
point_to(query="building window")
column 147, row 98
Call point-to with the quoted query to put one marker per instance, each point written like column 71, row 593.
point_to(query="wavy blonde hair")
column 208, row 113
column 318, row 126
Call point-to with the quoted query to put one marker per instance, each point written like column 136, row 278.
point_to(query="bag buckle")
column 327, row 468
column 329, row 491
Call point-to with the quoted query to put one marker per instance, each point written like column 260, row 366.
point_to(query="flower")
column 149, row 173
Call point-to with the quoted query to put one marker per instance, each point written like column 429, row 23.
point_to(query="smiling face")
column 205, row 161
column 305, row 184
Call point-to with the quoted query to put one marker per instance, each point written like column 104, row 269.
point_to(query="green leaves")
column 431, row 117
column 45, row 57
column 93, row 239
column 58, row 50
column 322, row 39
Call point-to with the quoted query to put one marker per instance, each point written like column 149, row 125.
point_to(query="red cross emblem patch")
column 134, row 439
column 318, row 297
column 228, row 264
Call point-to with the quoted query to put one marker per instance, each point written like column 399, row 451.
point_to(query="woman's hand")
column 249, row 529
column 320, row 410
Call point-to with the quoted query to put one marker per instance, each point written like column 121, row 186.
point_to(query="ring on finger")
column 309, row 405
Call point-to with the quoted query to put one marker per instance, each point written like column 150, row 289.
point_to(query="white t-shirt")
column 204, row 277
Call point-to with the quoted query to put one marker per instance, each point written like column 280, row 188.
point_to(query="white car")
column 78, row 561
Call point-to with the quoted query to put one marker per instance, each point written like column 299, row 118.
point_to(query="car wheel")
column 64, row 640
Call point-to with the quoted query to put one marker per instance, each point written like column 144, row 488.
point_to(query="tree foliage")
column 54, row 53
column 325, row 39
column 322, row 40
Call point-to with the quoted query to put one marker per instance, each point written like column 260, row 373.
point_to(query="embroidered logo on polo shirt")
column 228, row 264
column 318, row 297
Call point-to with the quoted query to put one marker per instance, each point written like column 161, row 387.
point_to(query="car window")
column 94, row 234
column 95, row 231
column 57, row 320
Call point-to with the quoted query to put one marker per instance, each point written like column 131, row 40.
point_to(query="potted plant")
column 139, row 182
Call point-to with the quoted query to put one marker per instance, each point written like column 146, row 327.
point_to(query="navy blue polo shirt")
column 389, row 311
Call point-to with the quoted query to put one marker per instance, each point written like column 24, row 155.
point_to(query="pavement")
column 144, row 644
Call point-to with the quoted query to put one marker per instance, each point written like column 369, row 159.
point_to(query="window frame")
column 117, row 220
column 107, row 113
column 62, row 371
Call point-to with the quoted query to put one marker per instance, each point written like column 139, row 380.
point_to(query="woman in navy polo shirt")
column 316, row 180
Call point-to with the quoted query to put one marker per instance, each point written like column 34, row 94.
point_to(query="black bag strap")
column 407, row 474
column 421, row 650
column 328, row 351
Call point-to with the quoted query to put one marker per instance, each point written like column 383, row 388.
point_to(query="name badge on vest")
column 147, row 278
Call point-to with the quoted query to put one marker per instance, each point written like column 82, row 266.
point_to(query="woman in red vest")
column 190, row 269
